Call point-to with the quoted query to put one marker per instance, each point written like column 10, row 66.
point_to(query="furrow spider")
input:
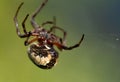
column 41, row 50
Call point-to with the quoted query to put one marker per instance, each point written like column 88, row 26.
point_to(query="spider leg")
column 54, row 24
column 23, row 24
column 47, row 22
column 27, row 41
column 17, row 26
column 71, row 47
column 63, row 40
column 50, row 22
column 33, row 23
column 74, row 46
column 52, row 29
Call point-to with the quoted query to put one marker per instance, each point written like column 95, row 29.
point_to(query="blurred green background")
column 96, row 60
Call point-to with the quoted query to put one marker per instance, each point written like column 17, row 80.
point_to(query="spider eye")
column 43, row 56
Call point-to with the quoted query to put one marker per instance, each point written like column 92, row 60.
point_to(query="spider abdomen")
column 43, row 56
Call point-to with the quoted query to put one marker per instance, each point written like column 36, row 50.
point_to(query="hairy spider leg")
column 64, row 33
column 26, row 34
column 71, row 47
column 47, row 22
column 63, row 40
column 50, row 22
column 52, row 29
column 23, row 25
column 33, row 23
column 27, row 41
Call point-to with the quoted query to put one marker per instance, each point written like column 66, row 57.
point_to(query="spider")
column 41, row 50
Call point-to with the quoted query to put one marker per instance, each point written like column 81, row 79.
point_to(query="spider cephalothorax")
column 41, row 50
